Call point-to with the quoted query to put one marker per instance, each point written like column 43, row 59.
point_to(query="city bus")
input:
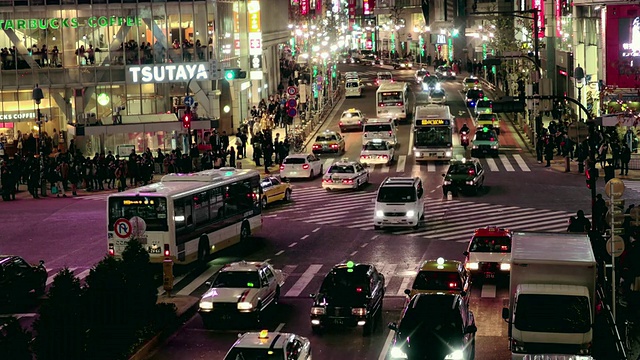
column 433, row 133
column 186, row 217
column 391, row 101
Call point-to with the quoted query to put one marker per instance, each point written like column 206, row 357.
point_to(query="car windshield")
column 437, row 94
column 484, row 103
column 342, row 169
column 295, row 160
column 384, row 76
column 153, row 210
column 485, row 136
column 437, row 280
column 352, row 84
column 430, row 80
column 340, row 282
column 553, row 313
column 321, row 138
column 471, row 81
column 486, row 117
column 474, row 94
column 377, row 127
column 390, row 194
column 390, row 97
column 376, row 146
column 460, row 169
column 350, row 114
column 236, row 279
column 491, row 244
column 424, row 321
column 255, row 354
column 433, row 136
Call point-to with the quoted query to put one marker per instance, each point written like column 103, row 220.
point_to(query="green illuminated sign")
column 72, row 23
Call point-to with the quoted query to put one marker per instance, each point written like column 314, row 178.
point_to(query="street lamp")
column 578, row 75
column 37, row 95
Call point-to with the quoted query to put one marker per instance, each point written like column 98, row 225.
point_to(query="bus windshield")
column 433, row 136
column 153, row 210
column 391, row 97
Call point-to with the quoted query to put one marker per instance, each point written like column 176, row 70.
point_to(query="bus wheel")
column 203, row 249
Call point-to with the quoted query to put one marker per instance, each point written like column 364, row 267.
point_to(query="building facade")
column 116, row 73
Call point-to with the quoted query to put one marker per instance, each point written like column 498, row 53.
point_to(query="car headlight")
column 417, row 154
column 409, row 64
column 447, row 153
column 245, row 305
column 474, row 147
column 453, row 74
column 438, row 87
column 505, row 266
column 425, row 87
column 316, row 310
column 411, row 213
column 359, row 311
column 470, row 182
column 456, row 355
column 379, row 213
column 397, row 353
column 206, row 305
column 473, row 266
column 447, row 182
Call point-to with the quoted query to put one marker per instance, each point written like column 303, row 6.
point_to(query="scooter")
column 464, row 139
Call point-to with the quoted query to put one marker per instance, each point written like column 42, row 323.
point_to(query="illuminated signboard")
column 304, row 7
column 72, row 23
column 137, row 202
column 18, row 116
column 255, row 43
column 622, row 46
column 558, row 18
column 165, row 73
column 366, row 7
column 253, row 8
column 434, row 122
column 441, row 39
column 539, row 4
column 629, row 37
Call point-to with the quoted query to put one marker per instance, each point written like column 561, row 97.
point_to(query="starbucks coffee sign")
column 30, row 116
column 166, row 73
column 72, row 23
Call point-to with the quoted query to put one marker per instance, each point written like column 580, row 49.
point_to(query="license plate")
column 226, row 317
column 155, row 251
column 432, row 154
column 325, row 147
column 489, row 275
column 338, row 321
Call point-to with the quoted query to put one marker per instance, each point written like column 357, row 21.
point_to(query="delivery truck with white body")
column 551, row 295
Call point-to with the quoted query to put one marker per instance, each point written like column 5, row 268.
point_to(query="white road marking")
column 201, row 279
column 50, row 278
column 385, row 168
column 402, row 162
column 303, row 281
column 521, row 163
column 488, row 291
column 161, row 289
column 315, row 230
column 431, row 167
column 492, row 164
column 279, row 327
column 375, row 237
column 83, row 274
column 410, row 145
column 293, row 244
column 280, row 253
column 353, row 253
column 304, row 237
column 327, row 164
column 364, row 245
column 385, row 348
column 506, row 163
column 403, row 286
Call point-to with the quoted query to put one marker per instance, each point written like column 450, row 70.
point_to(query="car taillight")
column 112, row 251
column 492, row 139
column 347, row 181
column 281, row 167
column 380, row 104
column 167, row 253
column 305, row 166
column 359, row 122
column 390, row 133
column 383, row 157
column 333, row 146
column 363, row 156
column 453, row 285
column 327, row 180
column 316, row 146
column 472, row 172
column 504, row 248
column 340, row 123
column 400, row 104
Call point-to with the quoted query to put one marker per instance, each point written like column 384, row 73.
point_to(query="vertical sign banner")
column 255, row 28
column 559, row 18
column 539, row 4
column 304, row 7
column 352, row 11
column 366, row 7
column 623, row 46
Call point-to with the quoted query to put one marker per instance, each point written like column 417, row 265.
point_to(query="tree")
column 14, row 340
column 60, row 326
column 140, row 285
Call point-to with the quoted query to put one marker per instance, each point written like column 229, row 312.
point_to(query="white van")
column 399, row 202
column 383, row 129
column 383, row 77
column 352, row 87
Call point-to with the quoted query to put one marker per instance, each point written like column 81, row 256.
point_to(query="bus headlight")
column 505, row 266
column 379, row 213
column 410, row 213
column 494, row 146
column 316, row 310
column 397, row 353
column 245, row 305
column 456, row 355
column 474, row 147
column 206, row 305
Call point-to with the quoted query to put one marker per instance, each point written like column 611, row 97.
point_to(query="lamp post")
column 37, row 95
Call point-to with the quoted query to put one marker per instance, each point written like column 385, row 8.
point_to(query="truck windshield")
column 491, row 244
column 433, row 137
column 553, row 313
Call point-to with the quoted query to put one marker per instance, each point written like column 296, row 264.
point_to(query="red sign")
column 622, row 50
column 352, row 8
column 558, row 18
column 368, row 44
column 304, row 7
column 255, row 43
column 539, row 4
column 236, row 44
column 122, row 228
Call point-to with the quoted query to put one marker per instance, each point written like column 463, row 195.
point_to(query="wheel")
column 264, row 202
column 311, row 175
column 287, row 195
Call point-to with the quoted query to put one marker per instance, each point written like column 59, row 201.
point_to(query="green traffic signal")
column 229, row 75
column 234, row 73
column 485, row 129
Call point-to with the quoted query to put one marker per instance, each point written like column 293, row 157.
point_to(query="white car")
column 240, row 288
column 267, row 345
column 352, row 119
column 345, row 174
column 438, row 97
column 377, row 151
column 489, row 252
column 351, row 75
column 420, row 74
column 301, row 166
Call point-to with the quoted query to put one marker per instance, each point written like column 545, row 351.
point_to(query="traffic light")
column 186, row 120
column 592, row 177
column 234, row 73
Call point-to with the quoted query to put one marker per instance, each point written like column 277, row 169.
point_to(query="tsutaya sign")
column 165, row 73
column 74, row 22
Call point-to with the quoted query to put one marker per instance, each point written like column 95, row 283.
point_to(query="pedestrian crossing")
column 81, row 272
column 632, row 186
column 448, row 220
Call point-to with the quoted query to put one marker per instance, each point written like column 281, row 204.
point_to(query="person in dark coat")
column 232, row 156
column 625, row 159
column 548, row 152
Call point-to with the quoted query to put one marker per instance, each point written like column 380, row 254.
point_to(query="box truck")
column 551, row 294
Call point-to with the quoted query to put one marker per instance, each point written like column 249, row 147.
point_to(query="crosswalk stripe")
column 506, row 163
column 327, row 164
column 201, row 279
column 488, row 291
column 409, row 149
column 403, row 285
column 521, row 163
column 431, row 167
column 492, row 164
column 303, row 281
column 402, row 161
column 415, row 169
column 83, row 274
column 385, row 168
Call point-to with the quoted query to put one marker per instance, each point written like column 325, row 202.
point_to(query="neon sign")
column 558, row 18
column 72, row 23
column 366, row 6
column 539, row 5
column 304, row 7
column 166, row 73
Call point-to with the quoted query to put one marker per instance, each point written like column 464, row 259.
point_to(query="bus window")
column 238, row 198
column 183, row 218
column 216, row 203
column 201, row 207
column 153, row 210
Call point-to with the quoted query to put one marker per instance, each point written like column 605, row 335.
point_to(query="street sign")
column 292, row 91
column 618, row 218
column 292, row 112
column 292, row 103
column 616, row 203
column 122, row 228
column 615, row 246
column 189, row 101
column 618, row 188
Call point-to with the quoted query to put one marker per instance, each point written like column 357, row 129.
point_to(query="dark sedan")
column 19, row 279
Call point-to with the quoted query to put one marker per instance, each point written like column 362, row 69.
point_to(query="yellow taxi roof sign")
column 264, row 334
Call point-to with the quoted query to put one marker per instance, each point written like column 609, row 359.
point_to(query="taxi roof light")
column 350, row 264
column 264, row 334
column 440, row 261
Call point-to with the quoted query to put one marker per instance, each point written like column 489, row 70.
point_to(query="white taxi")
column 489, row 252
column 345, row 174
column 266, row 345
column 377, row 151
column 240, row 288
column 301, row 166
column 352, row 119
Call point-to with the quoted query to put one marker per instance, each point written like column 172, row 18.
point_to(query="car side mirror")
column 407, row 292
column 505, row 313
column 443, row 175
column 393, row 326
column 465, row 253
column 471, row 329
column 208, row 283
column 312, row 295
column 41, row 263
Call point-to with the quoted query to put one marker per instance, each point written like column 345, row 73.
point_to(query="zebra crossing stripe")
column 431, row 167
column 303, row 281
column 492, row 164
column 385, row 168
column 521, row 163
column 402, row 161
column 506, row 163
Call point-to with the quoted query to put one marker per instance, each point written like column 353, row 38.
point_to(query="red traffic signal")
column 186, row 121
column 592, row 176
